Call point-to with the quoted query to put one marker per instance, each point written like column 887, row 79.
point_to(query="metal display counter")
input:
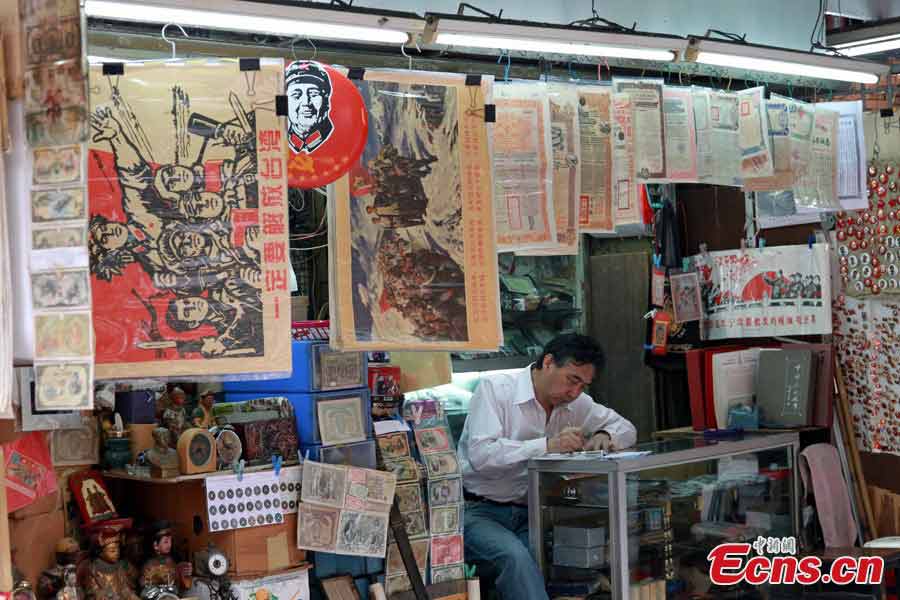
column 646, row 520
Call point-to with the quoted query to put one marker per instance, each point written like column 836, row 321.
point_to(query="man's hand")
column 600, row 441
column 104, row 124
column 569, row 440
column 233, row 135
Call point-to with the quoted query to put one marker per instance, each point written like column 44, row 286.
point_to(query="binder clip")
column 657, row 260
column 238, row 468
column 761, row 243
column 685, row 263
column 276, row 464
column 811, row 240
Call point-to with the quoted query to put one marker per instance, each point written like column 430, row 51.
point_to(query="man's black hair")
column 573, row 348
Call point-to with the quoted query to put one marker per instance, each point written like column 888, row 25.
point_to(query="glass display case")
column 642, row 526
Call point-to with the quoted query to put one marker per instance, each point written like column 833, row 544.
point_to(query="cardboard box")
column 33, row 541
column 257, row 551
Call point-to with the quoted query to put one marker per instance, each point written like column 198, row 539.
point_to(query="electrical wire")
column 309, row 249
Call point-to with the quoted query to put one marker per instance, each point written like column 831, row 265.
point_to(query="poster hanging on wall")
column 411, row 242
column 188, row 220
column 783, row 290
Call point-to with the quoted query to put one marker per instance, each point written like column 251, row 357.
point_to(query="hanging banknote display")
column 753, row 134
column 188, row 220
column 782, row 178
column 595, row 213
column 522, row 160
column 625, row 195
column 411, row 232
column 681, row 141
column 784, row 290
column 649, row 127
column 344, row 510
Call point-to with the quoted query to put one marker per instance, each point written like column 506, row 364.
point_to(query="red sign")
column 327, row 124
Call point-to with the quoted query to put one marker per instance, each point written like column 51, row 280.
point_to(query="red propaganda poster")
column 188, row 227
column 327, row 124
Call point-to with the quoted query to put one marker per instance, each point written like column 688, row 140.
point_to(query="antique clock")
column 196, row 451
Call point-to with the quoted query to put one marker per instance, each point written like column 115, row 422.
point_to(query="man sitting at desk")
column 514, row 417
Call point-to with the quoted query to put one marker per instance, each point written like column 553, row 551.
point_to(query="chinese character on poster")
column 188, row 220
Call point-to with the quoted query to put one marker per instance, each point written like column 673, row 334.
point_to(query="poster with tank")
column 188, row 220
column 412, row 244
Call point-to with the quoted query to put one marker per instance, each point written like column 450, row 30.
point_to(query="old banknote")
column 341, row 421
column 416, row 525
column 405, row 469
column 317, row 527
column 451, row 573
column 395, row 562
column 595, row 212
column 63, row 335
column 441, row 464
column 446, row 550
column 393, row 445
column 409, row 497
column 59, row 237
column 79, row 446
column 66, row 204
column 58, row 165
column 60, row 289
column 442, row 492
column 324, row 484
column 362, row 533
column 432, row 440
column 64, row 386
column 446, row 519
column 369, row 489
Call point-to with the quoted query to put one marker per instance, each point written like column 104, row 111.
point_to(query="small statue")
column 162, row 458
column 52, row 580
column 70, row 590
column 108, row 577
column 160, row 573
column 203, row 415
column 175, row 417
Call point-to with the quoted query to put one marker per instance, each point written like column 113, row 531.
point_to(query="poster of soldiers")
column 188, row 220
column 522, row 161
column 412, row 247
column 784, row 290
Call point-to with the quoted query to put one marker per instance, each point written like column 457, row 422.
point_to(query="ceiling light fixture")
column 296, row 19
column 883, row 36
column 520, row 36
column 768, row 59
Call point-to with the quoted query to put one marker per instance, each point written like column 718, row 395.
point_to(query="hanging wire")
column 171, row 42
column 310, row 42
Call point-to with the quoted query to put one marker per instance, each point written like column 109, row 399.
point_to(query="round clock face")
column 200, row 450
column 228, row 447
column 217, row 564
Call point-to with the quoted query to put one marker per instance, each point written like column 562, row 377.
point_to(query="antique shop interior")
column 358, row 300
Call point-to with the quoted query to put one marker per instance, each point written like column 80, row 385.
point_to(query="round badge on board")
column 327, row 124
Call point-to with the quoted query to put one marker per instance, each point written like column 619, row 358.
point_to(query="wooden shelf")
column 122, row 474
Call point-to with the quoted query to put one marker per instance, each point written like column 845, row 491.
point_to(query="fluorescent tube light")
column 872, row 38
column 290, row 20
column 522, row 36
column 786, row 62
column 550, row 47
column 886, row 44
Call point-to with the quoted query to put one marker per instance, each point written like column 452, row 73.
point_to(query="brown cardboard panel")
column 13, row 49
column 33, row 541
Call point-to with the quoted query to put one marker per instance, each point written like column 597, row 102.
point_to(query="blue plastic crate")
column 316, row 368
column 305, row 411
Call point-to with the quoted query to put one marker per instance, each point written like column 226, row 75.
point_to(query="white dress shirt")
column 506, row 427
